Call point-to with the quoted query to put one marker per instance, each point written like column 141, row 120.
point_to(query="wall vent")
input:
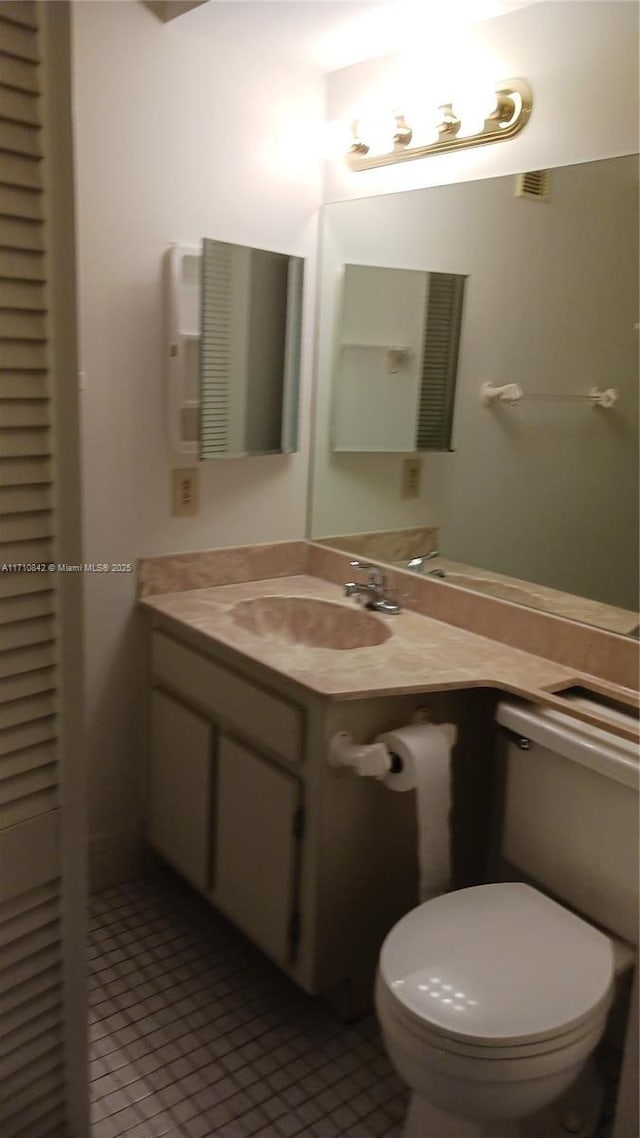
column 534, row 184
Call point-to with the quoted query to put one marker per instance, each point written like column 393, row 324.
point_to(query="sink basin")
column 306, row 620
column 502, row 589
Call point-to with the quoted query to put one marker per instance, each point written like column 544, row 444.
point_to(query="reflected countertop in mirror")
column 539, row 498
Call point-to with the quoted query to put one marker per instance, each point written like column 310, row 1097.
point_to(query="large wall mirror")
column 537, row 501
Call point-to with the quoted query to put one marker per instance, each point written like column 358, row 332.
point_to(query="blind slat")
column 19, row 138
column 27, row 414
column 26, row 442
column 25, row 632
column 26, row 527
column 27, row 659
column 21, row 267
column 16, row 40
column 18, row 73
column 28, row 760
column 18, row 107
column 27, row 709
column 21, row 13
column 16, row 202
column 19, row 470
column 19, row 499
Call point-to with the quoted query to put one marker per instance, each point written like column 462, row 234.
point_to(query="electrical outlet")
column 411, row 470
column 184, row 492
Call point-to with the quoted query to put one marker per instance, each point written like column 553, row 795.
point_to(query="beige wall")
column 177, row 137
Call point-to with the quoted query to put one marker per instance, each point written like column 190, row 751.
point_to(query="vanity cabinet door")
column 256, row 847
column 180, row 788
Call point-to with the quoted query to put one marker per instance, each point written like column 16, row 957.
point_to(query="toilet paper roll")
column 424, row 750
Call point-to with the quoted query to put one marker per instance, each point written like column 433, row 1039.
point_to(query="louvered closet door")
column 33, row 974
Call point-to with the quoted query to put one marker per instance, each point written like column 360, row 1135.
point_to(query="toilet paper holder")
column 369, row 760
column 374, row 760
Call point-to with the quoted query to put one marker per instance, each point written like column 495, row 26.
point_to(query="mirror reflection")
column 538, row 500
column 250, row 318
column 397, row 356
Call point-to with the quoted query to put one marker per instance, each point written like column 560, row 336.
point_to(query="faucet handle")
column 376, row 575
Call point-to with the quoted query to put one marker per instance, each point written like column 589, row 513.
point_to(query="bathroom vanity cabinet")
column 314, row 864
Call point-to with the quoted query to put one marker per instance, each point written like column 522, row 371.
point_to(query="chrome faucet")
column 372, row 593
column 417, row 564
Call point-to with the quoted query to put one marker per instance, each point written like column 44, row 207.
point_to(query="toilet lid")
column 497, row 964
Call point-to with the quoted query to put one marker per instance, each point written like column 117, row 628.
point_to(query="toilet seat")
column 398, row 1018
column 458, row 973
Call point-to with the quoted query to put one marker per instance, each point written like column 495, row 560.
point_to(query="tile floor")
column 195, row 1033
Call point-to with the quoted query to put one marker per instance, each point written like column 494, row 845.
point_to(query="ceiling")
column 329, row 34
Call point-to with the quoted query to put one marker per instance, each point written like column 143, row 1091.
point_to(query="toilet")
column 492, row 999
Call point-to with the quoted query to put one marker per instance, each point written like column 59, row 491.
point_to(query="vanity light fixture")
column 454, row 128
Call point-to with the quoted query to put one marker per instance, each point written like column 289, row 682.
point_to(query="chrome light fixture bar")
column 513, row 105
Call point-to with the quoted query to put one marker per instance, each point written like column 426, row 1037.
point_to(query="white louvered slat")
column 43, row 1119
column 21, row 470
column 24, row 413
column 22, row 266
column 17, row 202
column 215, row 347
column 17, row 739
column 28, row 1026
column 34, row 986
column 24, row 499
column 21, row 324
column 17, row 24
column 17, row 170
column 29, row 970
column 21, row 761
column 41, row 705
column 21, row 295
column 19, row 138
column 31, row 805
column 27, row 659
column 17, row 584
column 48, row 1080
column 34, row 1049
column 439, row 361
column 18, row 107
column 26, row 553
column 38, row 939
column 19, row 74
column 19, row 233
column 21, row 633
column 21, row 442
column 27, row 527
column 41, row 602
column 23, row 13
column 23, row 355
column 46, row 979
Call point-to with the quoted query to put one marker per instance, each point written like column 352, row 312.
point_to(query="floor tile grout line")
column 166, row 999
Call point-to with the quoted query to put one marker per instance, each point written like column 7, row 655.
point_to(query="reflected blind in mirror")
column 440, row 361
column 215, row 347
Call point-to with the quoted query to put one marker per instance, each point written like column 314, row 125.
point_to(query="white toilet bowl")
column 491, row 1001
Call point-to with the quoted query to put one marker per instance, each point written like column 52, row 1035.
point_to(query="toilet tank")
column 571, row 812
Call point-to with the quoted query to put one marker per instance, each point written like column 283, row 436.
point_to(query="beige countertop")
column 420, row 655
